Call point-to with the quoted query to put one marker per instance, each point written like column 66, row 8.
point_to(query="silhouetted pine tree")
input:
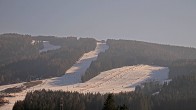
column 109, row 103
column 123, row 107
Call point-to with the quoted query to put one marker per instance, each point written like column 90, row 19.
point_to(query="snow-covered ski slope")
column 74, row 74
column 120, row 79
column 111, row 81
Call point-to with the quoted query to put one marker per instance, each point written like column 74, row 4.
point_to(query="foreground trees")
column 109, row 103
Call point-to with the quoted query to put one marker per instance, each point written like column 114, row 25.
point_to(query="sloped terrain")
column 72, row 76
column 120, row 79
column 113, row 81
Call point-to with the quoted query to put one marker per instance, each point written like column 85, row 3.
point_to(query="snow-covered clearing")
column 120, row 79
column 48, row 46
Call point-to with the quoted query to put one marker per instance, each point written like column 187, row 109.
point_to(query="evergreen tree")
column 123, row 107
column 109, row 103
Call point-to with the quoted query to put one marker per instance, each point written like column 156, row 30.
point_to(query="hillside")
column 178, row 95
column 71, row 76
column 121, row 75
column 22, row 61
column 127, row 53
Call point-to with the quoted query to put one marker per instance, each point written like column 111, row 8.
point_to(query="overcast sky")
column 160, row 21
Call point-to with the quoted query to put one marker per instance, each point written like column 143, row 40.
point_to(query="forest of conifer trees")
column 21, row 61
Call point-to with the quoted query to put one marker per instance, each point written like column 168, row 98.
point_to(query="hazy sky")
column 161, row 21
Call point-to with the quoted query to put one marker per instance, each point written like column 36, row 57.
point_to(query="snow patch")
column 48, row 46
column 33, row 42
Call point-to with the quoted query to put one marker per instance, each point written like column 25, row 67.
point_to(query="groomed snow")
column 120, row 79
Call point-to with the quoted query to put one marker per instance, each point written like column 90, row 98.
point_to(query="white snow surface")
column 111, row 81
column 120, row 79
column 48, row 46
column 33, row 42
